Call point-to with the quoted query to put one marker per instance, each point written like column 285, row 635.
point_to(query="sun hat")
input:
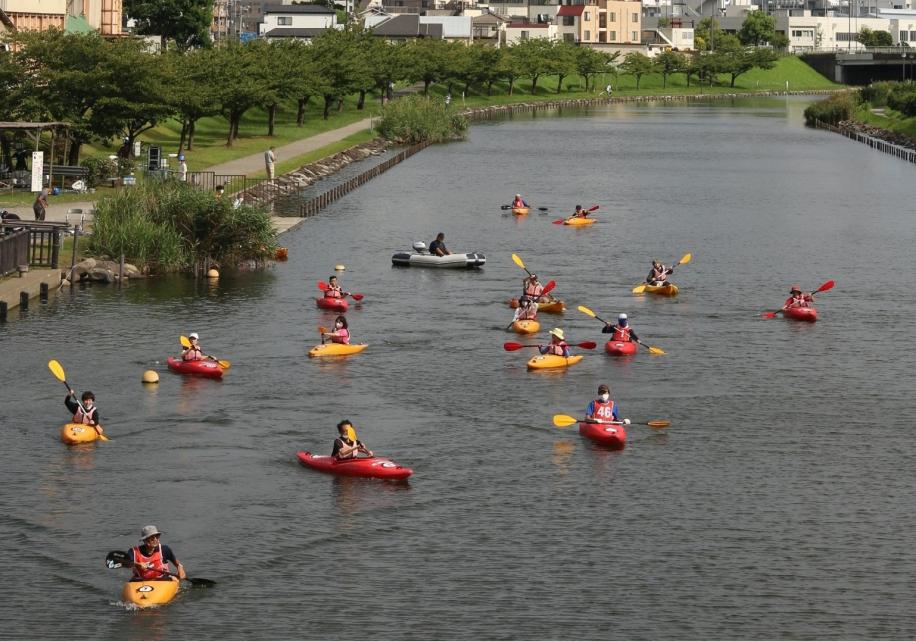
column 148, row 531
column 556, row 331
column 193, row 335
column 795, row 288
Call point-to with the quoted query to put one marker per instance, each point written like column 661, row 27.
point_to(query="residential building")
column 578, row 23
column 404, row 27
column 301, row 21
column 516, row 32
column 76, row 16
column 901, row 24
column 488, row 26
column 454, row 28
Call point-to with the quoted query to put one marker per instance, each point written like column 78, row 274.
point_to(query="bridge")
column 864, row 67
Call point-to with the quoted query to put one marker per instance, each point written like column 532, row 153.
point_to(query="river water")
column 774, row 507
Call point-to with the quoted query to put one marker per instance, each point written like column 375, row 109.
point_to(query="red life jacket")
column 659, row 273
column 85, row 419
column 621, row 334
column 604, row 410
column 802, row 300
column 518, row 202
column 341, row 335
column 159, row 564
column 528, row 313
column 332, row 292
column 533, row 291
column 558, row 349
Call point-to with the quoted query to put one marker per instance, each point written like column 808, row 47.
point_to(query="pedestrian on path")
column 40, row 205
column 182, row 169
column 270, row 157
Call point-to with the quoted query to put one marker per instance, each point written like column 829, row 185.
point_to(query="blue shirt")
column 590, row 410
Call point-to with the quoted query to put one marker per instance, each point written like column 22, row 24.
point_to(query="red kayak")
column 808, row 314
column 207, row 369
column 373, row 466
column 620, row 348
column 334, row 304
column 611, row 435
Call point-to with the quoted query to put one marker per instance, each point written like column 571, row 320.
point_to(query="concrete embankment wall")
column 16, row 291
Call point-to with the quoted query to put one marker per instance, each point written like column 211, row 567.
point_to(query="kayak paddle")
column 564, row 420
column 652, row 350
column 186, row 343
column 518, row 261
column 823, row 288
column 511, row 347
column 505, row 207
column 117, row 559
column 58, row 370
column 323, row 286
column 639, row 289
column 587, row 211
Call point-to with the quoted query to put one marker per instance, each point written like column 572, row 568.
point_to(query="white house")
column 902, row 25
column 837, row 33
column 516, row 32
column 304, row 21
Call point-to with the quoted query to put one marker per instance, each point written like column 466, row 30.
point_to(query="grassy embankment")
column 887, row 119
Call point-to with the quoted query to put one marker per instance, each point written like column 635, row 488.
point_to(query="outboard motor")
column 419, row 247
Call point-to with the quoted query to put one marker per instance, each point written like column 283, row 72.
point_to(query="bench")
column 65, row 171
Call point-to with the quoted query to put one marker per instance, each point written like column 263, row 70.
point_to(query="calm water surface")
column 778, row 505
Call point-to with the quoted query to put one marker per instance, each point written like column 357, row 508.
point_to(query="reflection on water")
column 562, row 452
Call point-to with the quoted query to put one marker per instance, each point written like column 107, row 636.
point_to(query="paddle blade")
column 585, row 310
column 323, row 286
column 588, row 345
column 518, row 261
column 686, row 259
column 543, row 208
column 57, row 369
column 657, row 351
column 116, row 559
column 201, row 583
column 639, row 289
column 658, row 424
column 102, row 437
column 769, row 314
column 351, row 433
column 564, row 420
column 511, row 347
column 593, row 208
column 548, row 287
column 357, row 296
column 224, row 364
column 322, row 329
column 823, row 288
column 185, row 341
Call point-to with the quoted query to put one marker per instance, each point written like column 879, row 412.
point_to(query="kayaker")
column 797, row 298
column 193, row 353
column 151, row 558
column 603, row 409
column 580, row 213
column 91, row 414
column 518, row 202
column 621, row 330
column 437, row 247
column 531, row 288
column 333, row 290
column 341, row 333
column 557, row 344
column 659, row 273
column 527, row 310
column 344, row 446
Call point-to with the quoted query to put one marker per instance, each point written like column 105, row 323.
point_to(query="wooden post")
column 24, row 301
column 121, row 271
column 43, row 292
column 4, row 309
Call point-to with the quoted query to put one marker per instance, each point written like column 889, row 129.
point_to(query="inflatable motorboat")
column 422, row 258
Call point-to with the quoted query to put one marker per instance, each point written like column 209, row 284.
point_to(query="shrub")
column 876, row 93
column 832, row 110
column 171, row 226
column 902, row 98
column 414, row 119
column 99, row 170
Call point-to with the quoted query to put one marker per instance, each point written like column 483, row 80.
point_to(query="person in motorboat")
column 527, row 310
column 437, row 247
column 88, row 414
column 557, row 345
column 658, row 275
column 603, row 409
column 333, row 290
column 193, row 352
column 580, row 213
column 151, row 558
column 621, row 330
column 346, row 447
column 797, row 298
column 518, row 202
column 341, row 333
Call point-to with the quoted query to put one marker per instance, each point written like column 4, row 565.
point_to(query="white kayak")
column 421, row 258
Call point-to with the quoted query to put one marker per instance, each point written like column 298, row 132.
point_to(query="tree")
column 192, row 90
column 563, row 62
column 669, row 62
column 637, row 65
column 187, row 22
column 240, row 71
column 757, row 28
column 533, row 55
column 871, row 38
column 489, row 63
column 340, row 65
column 706, row 34
column 386, row 63
column 510, row 67
column 426, row 63
column 281, row 80
column 736, row 62
column 590, row 62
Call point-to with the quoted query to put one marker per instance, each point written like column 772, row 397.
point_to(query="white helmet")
column 621, row 317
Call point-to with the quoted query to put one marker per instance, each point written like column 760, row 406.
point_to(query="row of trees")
column 113, row 89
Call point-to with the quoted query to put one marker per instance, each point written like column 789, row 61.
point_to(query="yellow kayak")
column 550, row 361
column 526, row 326
column 76, row 433
column 520, row 211
column 553, row 307
column 147, row 594
column 336, row 349
column 579, row 221
column 662, row 290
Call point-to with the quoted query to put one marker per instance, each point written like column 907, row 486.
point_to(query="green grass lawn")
column 891, row 120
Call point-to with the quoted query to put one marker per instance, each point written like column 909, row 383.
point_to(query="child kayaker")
column 531, row 288
column 344, row 446
column 194, row 352
column 659, row 273
column 603, row 409
column 527, row 310
column 621, row 331
column 88, row 414
column 333, row 290
column 580, row 213
column 151, row 558
column 797, row 298
column 557, row 346
column 341, row 333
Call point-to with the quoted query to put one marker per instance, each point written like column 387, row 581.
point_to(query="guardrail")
column 14, row 251
column 43, row 242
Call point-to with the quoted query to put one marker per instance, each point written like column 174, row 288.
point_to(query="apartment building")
column 600, row 21
column 103, row 16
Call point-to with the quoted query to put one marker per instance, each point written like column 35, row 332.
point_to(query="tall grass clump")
column 415, row 119
column 832, row 110
column 876, row 93
column 170, row 226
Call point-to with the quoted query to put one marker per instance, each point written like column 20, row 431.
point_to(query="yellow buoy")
column 339, row 268
column 212, row 274
column 150, row 376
